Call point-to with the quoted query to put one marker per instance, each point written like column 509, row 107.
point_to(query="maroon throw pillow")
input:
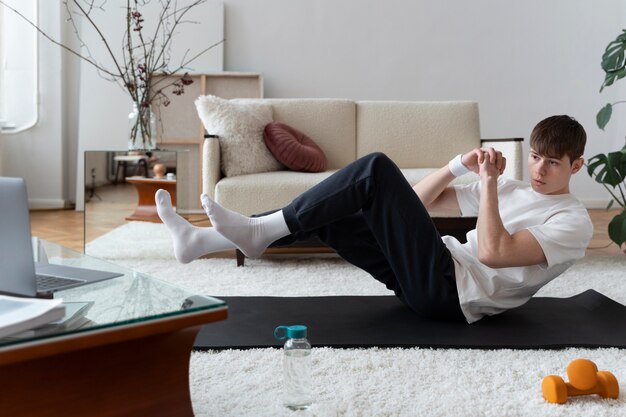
column 293, row 148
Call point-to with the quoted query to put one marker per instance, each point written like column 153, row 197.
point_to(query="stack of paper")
column 74, row 319
column 19, row 314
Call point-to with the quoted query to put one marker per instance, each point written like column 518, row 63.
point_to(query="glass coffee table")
column 130, row 356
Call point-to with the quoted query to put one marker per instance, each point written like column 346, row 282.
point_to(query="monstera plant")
column 610, row 169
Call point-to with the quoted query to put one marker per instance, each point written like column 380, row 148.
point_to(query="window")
column 18, row 66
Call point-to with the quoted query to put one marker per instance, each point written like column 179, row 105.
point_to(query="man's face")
column 551, row 175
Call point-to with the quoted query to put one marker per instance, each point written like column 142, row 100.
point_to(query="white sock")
column 190, row 242
column 252, row 235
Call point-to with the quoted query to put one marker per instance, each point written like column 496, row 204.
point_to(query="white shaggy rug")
column 367, row 382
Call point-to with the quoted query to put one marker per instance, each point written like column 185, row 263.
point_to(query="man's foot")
column 190, row 242
column 252, row 235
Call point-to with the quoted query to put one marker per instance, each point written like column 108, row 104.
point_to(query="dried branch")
column 54, row 41
column 140, row 57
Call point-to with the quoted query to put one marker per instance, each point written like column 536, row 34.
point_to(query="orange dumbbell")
column 584, row 379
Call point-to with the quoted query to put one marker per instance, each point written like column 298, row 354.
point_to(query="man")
column 526, row 235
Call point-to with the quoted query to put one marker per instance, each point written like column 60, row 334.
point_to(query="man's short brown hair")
column 557, row 136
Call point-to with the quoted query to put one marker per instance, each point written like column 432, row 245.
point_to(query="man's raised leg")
column 252, row 235
column 421, row 263
column 190, row 242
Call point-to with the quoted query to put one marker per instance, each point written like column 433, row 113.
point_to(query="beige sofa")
column 418, row 136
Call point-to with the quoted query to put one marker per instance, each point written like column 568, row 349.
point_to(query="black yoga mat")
column 589, row 319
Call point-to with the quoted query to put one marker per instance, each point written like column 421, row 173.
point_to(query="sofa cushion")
column 239, row 126
column 258, row 193
column 293, row 148
column 331, row 122
column 415, row 175
column 417, row 134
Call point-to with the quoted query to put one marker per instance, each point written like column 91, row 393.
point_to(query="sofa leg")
column 240, row 257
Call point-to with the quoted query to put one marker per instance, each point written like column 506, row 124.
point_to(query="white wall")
column 38, row 154
column 521, row 60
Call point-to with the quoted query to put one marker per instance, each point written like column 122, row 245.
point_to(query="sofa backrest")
column 417, row 134
column 329, row 122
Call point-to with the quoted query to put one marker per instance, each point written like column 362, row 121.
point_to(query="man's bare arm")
column 496, row 247
column 435, row 193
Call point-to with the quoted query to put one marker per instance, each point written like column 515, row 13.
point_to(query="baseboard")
column 56, row 204
column 189, row 211
column 595, row 204
column 48, row 204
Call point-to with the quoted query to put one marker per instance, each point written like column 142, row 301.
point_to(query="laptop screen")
column 17, row 268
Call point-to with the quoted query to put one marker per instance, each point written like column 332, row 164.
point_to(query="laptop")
column 20, row 275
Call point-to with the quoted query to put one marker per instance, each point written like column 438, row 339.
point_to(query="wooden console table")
column 146, row 188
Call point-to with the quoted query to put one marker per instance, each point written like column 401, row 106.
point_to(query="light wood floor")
column 104, row 211
column 67, row 227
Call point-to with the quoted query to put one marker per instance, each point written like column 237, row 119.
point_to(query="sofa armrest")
column 211, row 172
column 512, row 150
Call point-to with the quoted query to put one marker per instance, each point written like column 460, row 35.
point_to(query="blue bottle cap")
column 297, row 331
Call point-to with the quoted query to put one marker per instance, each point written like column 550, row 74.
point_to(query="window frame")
column 17, row 31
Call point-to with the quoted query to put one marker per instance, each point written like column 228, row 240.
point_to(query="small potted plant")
column 610, row 169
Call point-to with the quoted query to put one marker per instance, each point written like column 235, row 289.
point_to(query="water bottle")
column 296, row 366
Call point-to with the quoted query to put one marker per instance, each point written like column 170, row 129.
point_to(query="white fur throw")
column 239, row 125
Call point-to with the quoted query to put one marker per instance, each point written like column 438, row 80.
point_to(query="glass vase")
column 141, row 129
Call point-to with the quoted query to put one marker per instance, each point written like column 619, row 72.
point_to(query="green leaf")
column 612, row 76
column 608, row 80
column 617, row 229
column 613, row 60
column 610, row 204
column 604, row 115
column 613, row 57
column 594, row 162
column 608, row 169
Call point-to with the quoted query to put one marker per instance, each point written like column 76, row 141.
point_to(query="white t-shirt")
column 561, row 225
